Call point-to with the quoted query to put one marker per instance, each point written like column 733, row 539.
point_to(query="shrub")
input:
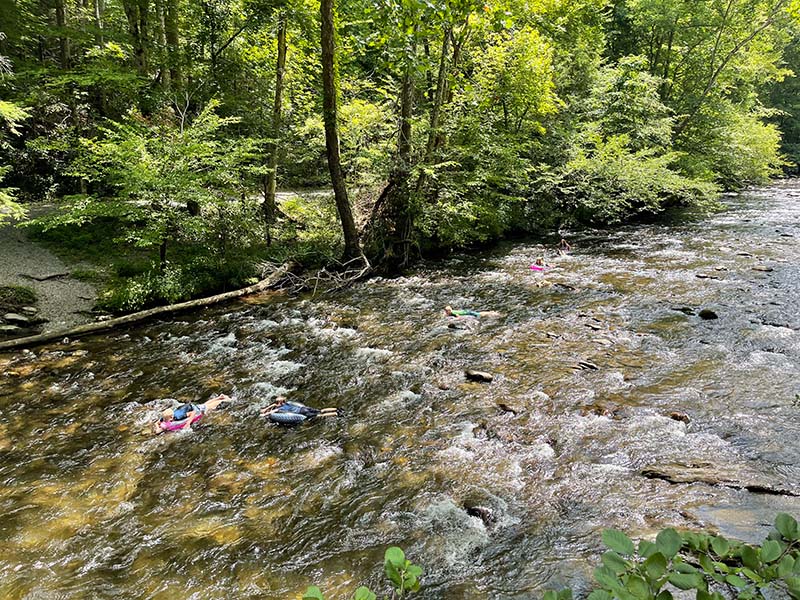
column 401, row 573
column 15, row 296
column 714, row 567
column 606, row 183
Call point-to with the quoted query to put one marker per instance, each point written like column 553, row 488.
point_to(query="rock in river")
column 707, row 314
column 481, row 376
column 16, row 319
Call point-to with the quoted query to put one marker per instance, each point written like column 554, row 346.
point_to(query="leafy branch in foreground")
column 403, row 575
column 716, row 568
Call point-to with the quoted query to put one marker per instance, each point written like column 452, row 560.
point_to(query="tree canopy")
column 444, row 123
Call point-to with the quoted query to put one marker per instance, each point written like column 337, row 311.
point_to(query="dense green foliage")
column 400, row 573
column 710, row 566
column 459, row 121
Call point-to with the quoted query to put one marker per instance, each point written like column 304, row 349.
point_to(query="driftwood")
column 45, row 277
column 270, row 281
column 327, row 281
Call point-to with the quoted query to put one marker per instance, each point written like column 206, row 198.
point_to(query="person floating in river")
column 539, row 265
column 186, row 414
column 289, row 412
column 465, row 312
column 564, row 247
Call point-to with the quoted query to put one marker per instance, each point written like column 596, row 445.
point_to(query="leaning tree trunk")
column 270, row 206
column 329, row 91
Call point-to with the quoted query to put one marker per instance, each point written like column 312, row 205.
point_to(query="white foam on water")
column 455, row 536
column 280, row 368
column 269, row 391
column 318, row 456
column 373, row 353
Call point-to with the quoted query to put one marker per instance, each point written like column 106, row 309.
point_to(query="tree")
column 330, row 92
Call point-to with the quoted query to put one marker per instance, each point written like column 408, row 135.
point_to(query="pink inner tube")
column 176, row 425
column 537, row 268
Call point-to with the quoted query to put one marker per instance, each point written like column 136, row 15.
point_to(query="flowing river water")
column 584, row 426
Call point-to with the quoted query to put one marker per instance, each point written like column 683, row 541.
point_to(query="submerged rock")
column 9, row 329
column 763, row 268
column 506, row 408
column 707, row 314
column 679, row 416
column 585, row 365
column 687, row 310
column 483, row 513
column 716, row 475
column 481, row 376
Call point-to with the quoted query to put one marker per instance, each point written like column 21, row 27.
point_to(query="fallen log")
column 143, row 315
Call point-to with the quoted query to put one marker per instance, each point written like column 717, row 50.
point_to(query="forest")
column 163, row 130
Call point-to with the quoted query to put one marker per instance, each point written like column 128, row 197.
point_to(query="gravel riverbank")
column 63, row 300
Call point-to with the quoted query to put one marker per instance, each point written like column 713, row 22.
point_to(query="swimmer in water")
column 564, row 247
column 283, row 406
column 539, row 265
column 464, row 312
column 187, row 413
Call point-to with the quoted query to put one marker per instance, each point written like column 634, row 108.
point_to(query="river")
column 599, row 363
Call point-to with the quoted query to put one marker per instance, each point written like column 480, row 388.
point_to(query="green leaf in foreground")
column 720, row 546
column 618, row 541
column 687, row 581
column 669, row 542
column 787, row 526
column 614, row 562
column 313, row 593
column 655, row 566
column 770, row 550
column 364, row 593
column 395, row 556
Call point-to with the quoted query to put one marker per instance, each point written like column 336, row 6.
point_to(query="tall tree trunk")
column 144, row 9
column 98, row 20
column 173, row 43
column 400, row 201
column 163, row 55
column 270, row 207
column 329, row 110
column 63, row 40
column 389, row 229
column 136, row 13
column 434, row 136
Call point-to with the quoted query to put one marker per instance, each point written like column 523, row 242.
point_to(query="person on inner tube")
column 465, row 312
column 282, row 404
column 186, row 412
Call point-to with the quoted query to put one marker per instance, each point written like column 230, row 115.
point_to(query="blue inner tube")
column 287, row 418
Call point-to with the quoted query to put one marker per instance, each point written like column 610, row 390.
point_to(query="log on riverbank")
column 143, row 315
